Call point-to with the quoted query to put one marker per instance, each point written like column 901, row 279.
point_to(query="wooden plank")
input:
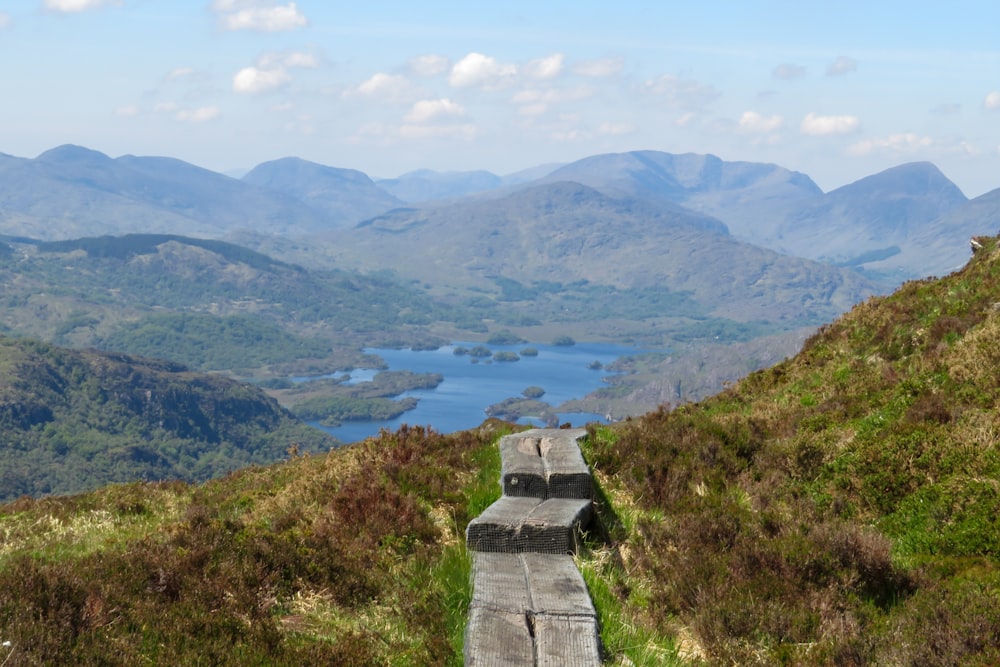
column 498, row 639
column 561, row 641
column 555, row 586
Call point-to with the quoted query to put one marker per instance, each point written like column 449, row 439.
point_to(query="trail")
column 530, row 605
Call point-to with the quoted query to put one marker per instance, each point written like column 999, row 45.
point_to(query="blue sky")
column 836, row 90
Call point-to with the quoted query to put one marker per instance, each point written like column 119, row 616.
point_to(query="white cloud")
column 73, row 6
column 478, row 70
column 165, row 107
column 788, row 71
column 258, row 15
column 752, row 121
column 254, row 80
column 4, row 20
column 680, row 93
column 127, row 111
column 428, row 110
column 386, row 86
column 545, row 68
column 199, row 115
column 601, row 68
column 841, row 66
column 819, row 126
column 429, row 65
column 992, row 100
column 271, row 72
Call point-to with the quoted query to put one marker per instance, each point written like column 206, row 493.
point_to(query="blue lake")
column 460, row 401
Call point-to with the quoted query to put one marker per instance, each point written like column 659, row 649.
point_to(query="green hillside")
column 840, row 508
column 75, row 420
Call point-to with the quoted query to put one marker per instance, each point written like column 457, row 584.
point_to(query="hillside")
column 565, row 233
column 980, row 215
column 878, row 217
column 343, row 196
column 75, row 420
column 838, row 508
column 881, row 216
column 208, row 304
column 71, row 191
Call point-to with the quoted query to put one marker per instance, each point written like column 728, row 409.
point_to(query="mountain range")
column 906, row 222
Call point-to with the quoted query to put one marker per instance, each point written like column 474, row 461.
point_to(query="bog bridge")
column 530, row 605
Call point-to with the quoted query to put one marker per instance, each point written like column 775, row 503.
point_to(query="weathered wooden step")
column 531, row 599
column 503, row 639
column 529, row 583
column 498, row 639
column 516, row 525
column 544, row 463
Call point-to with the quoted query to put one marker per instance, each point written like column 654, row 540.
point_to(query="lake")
column 460, row 401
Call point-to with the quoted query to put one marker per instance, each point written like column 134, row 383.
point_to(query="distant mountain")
column 74, row 420
column 734, row 192
column 942, row 245
column 874, row 218
column 344, row 196
column 426, row 184
column 905, row 222
column 69, row 191
column 861, row 224
column 566, row 232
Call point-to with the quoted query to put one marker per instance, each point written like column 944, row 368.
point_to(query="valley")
column 711, row 268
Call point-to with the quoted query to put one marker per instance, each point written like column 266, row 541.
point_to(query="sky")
column 837, row 90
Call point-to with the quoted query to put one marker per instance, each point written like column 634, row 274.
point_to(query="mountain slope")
column 741, row 194
column 73, row 420
column 877, row 216
column 942, row 245
column 149, row 293
column 860, row 224
column 70, row 191
column 351, row 558
column 426, row 184
column 566, row 232
column 840, row 507
column 342, row 196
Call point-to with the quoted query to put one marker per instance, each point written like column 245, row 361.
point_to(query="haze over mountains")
column 905, row 222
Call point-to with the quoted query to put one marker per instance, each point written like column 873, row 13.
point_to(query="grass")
column 621, row 595
column 352, row 558
column 836, row 509
column 825, row 510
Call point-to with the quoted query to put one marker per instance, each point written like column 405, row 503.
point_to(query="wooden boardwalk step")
column 516, row 525
column 530, row 604
column 544, row 463
column 530, row 601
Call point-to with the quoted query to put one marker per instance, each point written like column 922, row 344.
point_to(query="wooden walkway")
column 530, row 605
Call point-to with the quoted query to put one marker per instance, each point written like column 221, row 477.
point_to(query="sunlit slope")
column 840, row 507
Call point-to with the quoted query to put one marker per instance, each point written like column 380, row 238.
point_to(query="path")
column 530, row 605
